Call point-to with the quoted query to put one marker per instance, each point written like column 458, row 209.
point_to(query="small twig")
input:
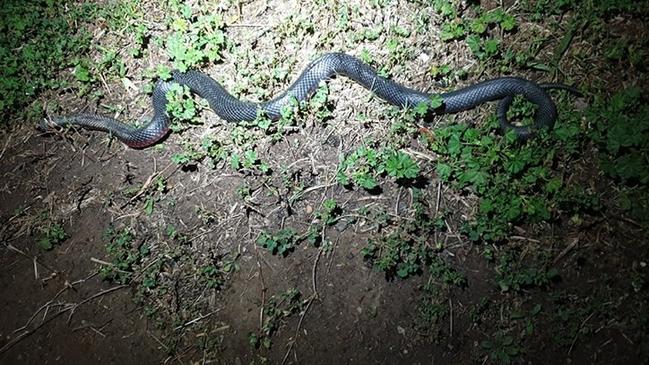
column 69, row 308
column 396, row 204
column 6, row 144
column 23, row 335
column 263, row 290
column 421, row 155
column 94, row 296
column 438, row 199
column 300, row 194
column 147, row 183
column 521, row 238
column 35, row 268
column 314, row 272
column 158, row 340
column 313, row 296
column 297, row 329
column 113, row 266
column 14, row 249
column 450, row 313
column 574, row 340
column 97, row 331
column 195, row 320
column 565, row 251
column 244, row 25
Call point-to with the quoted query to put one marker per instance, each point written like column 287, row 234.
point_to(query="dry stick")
column 35, row 269
column 396, row 205
column 148, row 182
column 59, row 132
column 67, row 285
column 97, row 295
column 44, row 306
column 450, row 306
column 113, row 266
column 13, row 248
column 20, row 337
column 565, row 251
column 69, row 308
column 437, row 201
column 308, row 190
column 439, row 198
column 308, row 305
column 263, row 290
column 313, row 274
column 195, row 320
column 5, row 147
column 574, row 340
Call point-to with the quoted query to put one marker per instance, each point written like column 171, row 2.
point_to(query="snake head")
column 48, row 124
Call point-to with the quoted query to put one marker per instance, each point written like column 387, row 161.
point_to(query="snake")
column 327, row 66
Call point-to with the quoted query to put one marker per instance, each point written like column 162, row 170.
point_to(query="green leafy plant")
column 407, row 250
column 195, row 38
column 515, row 276
column 277, row 309
column 248, row 160
column 502, row 348
column 432, row 306
column 401, row 165
column 213, row 276
column 125, row 252
column 329, row 212
column 52, row 235
column 36, row 42
column 180, row 105
column 364, row 166
column 516, row 183
column 622, row 133
column 282, row 242
column 153, row 195
column 360, row 167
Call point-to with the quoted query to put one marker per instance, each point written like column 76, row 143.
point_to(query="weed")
column 277, row 309
column 180, row 106
column 433, row 303
column 248, row 160
column 52, row 235
column 364, row 166
column 282, row 242
column 502, row 348
column 125, row 253
column 440, row 271
column 432, row 307
column 622, row 133
column 568, row 320
column 35, row 43
column 211, row 274
column 406, row 250
column 478, row 310
column 515, row 276
column 329, row 212
column 516, row 183
column 400, row 165
column 195, row 38
column 153, row 195
column 111, row 62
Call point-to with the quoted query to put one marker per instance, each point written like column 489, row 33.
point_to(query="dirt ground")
column 59, row 308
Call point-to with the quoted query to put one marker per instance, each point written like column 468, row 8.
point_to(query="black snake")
column 232, row 109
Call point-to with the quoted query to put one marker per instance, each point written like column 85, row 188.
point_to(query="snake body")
column 232, row 109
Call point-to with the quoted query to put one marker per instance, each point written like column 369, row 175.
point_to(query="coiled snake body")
column 232, row 109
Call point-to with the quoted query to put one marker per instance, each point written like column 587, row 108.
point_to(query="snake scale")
column 328, row 65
